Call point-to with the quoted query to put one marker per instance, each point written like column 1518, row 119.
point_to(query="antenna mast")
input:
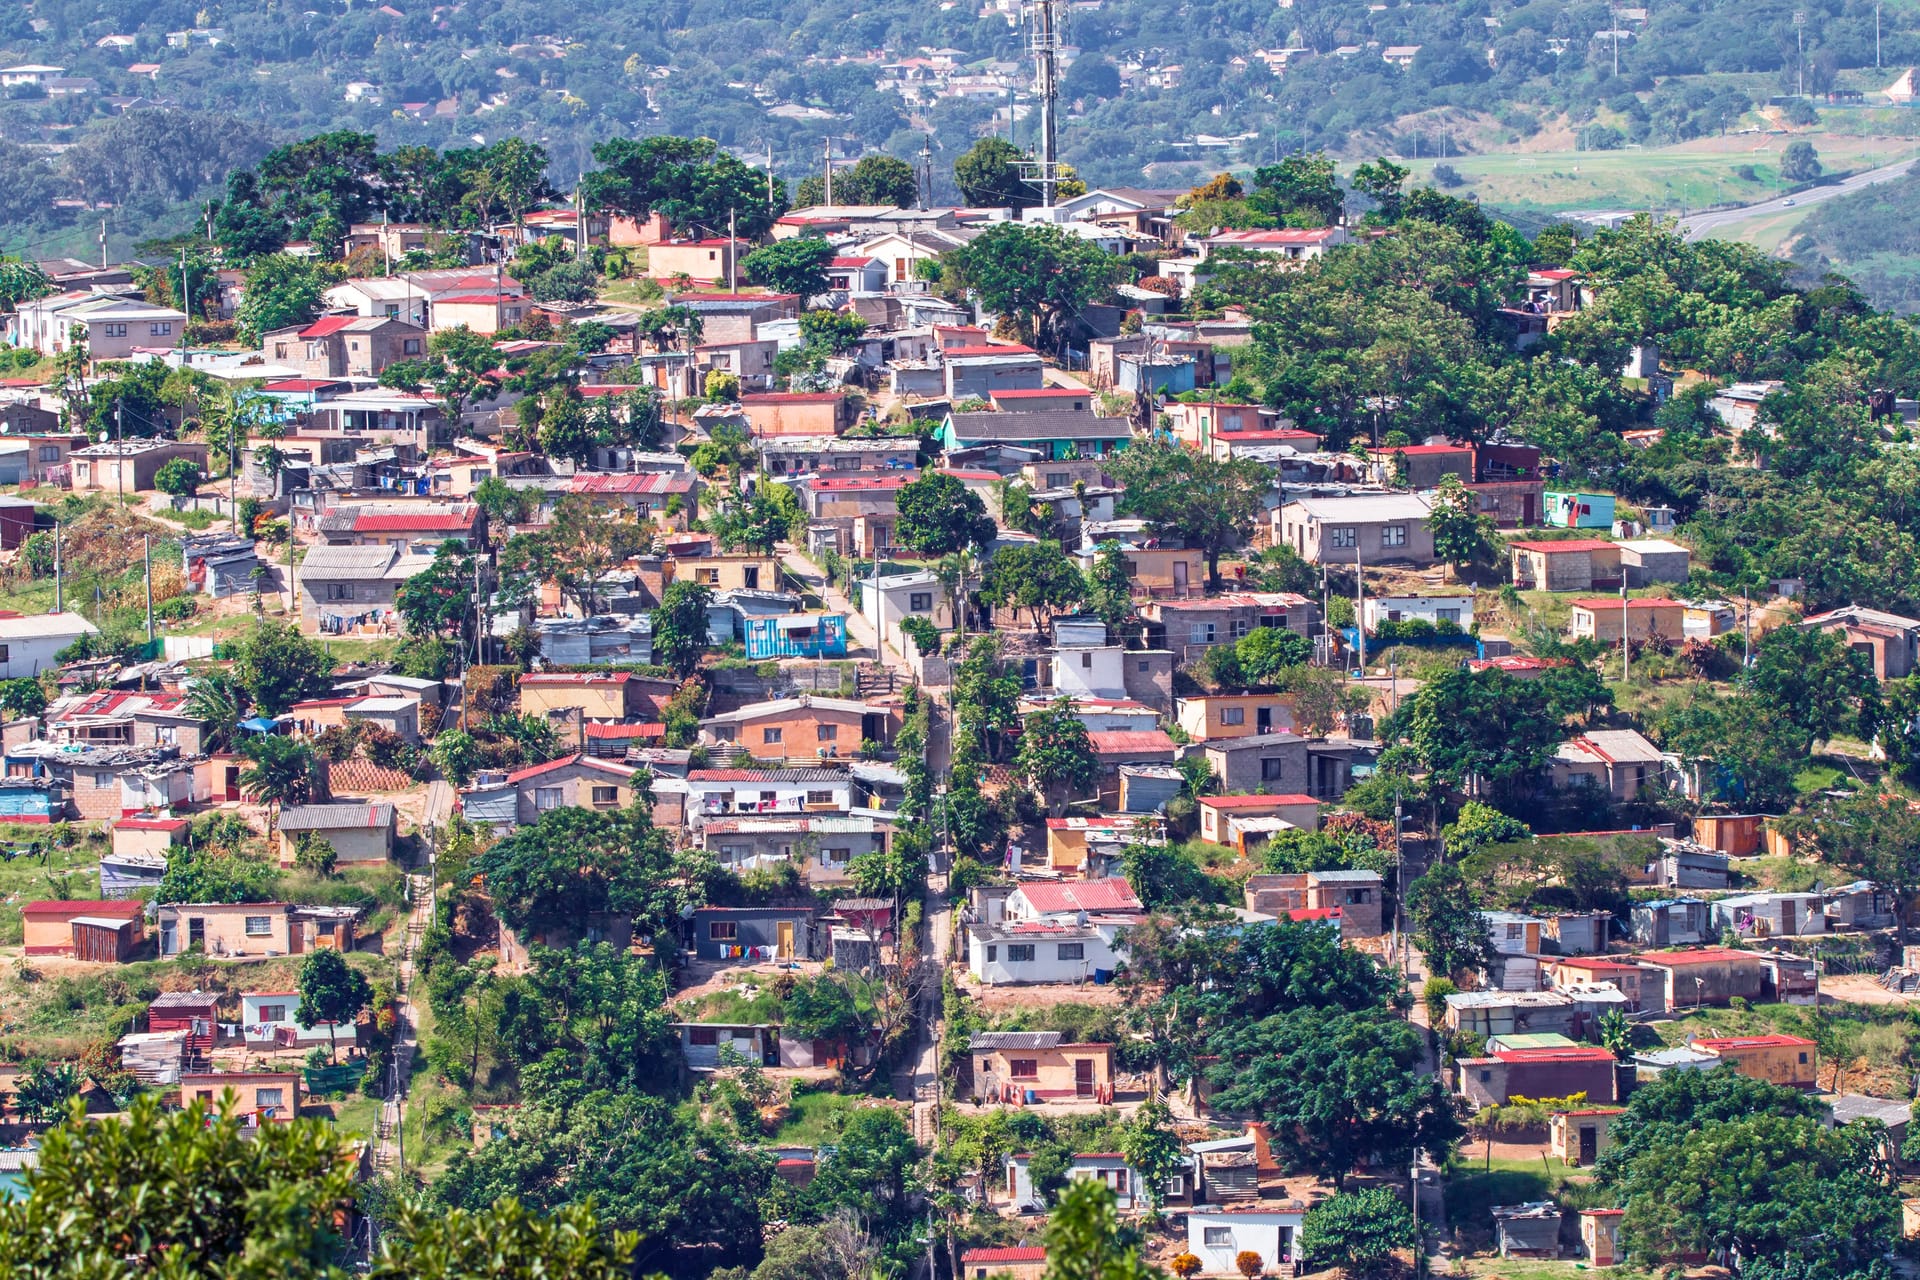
column 1044, row 42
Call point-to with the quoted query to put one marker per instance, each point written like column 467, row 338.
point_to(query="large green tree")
column 871, row 180
column 1873, row 836
column 690, row 181
column 1056, row 755
column 989, row 176
column 1209, row 502
column 1035, row 273
column 331, row 991
column 281, row 291
column 797, row 265
column 1359, row 1231
column 1035, row 576
column 940, row 516
column 1817, row 682
column 1448, row 925
column 680, row 627
column 278, row 667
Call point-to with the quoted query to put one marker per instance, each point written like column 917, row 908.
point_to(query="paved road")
column 1704, row 224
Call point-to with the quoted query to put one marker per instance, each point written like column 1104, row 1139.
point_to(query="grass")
column 1516, row 1269
column 66, row 873
column 814, row 1118
column 1473, row 1189
column 357, row 1114
column 438, row 1122
column 1782, row 874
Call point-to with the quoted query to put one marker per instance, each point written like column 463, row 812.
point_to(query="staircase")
column 872, row 679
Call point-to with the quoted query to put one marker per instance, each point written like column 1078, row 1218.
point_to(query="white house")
column 1108, row 1167
column 1090, row 671
column 1071, row 901
column 1013, row 954
column 28, row 645
column 29, row 73
column 1454, row 607
column 267, row 1022
column 1217, row 1236
column 884, row 601
column 388, row 297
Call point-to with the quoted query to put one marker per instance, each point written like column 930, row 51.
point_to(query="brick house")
column 1010, row 1065
column 345, row 346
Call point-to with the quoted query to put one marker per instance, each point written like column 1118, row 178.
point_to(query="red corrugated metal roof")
column 1570, row 544
column 1254, row 802
column 614, row 731
column 988, row 1257
column 791, row 397
column 551, row 766
column 575, row 677
column 1608, row 602
column 415, row 522
column 1111, row 894
column 1565, row 1053
column 327, row 324
column 1001, row 349
column 1715, row 1044
column 83, row 906
column 1126, row 741
column 1705, row 955
column 150, row 824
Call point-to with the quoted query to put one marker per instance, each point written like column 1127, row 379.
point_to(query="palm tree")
column 219, row 700
column 279, row 772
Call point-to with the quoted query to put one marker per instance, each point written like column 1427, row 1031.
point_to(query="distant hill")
column 1871, row 237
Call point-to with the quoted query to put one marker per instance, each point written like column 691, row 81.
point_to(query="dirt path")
column 390, row 1151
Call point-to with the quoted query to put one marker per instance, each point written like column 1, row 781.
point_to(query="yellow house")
column 614, row 696
column 1072, row 841
column 1235, row 715
column 1793, row 1061
column 728, row 573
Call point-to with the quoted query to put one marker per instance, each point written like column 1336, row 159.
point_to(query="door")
column 296, row 937
column 783, row 949
column 1180, row 576
column 1263, row 720
column 1083, row 1078
column 1589, row 1145
column 1786, row 917
column 196, row 933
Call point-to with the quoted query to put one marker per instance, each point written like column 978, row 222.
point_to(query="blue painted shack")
column 800, row 635
column 34, row 800
column 1578, row 510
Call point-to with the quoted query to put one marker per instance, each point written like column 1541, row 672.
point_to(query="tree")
column 834, row 332
column 1817, row 681
column 1448, row 926
column 423, row 1243
column 1321, row 698
column 1479, row 825
column 1482, row 728
column 1083, row 1238
column 1265, row 654
column 1163, row 876
column 1034, row 576
column 1035, row 272
column 21, row 282
column 218, row 699
column 1358, row 1231
column 278, row 667
column 940, row 516
column 438, row 601
column 1381, row 182
column 1153, row 1149
column 1056, row 756
column 1209, row 502
column 1110, row 588
column 582, row 541
column 689, row 181
column 871, row 180
column 1338, row 1088
column 680, row 627
column 22, row 697
column 281, row 291
column 989, row 177
column 552, row 875
column 331, row 991
column 1301, row 191
column 797, row 265
column 458, row 370
column 1461, row 535
column 279, row 771
column 1800, row 162
column 1249, row 1264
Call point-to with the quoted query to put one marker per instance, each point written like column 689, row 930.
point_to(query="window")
column 1177, row 1185
column 1143, row 665
column 1447, row 615
column 1233, row 715
column 161, row 330
column 920, row 602
column 410, row 346
column 771, row 737
column 750, row 577
column 1216, row 1237
column 353, row 346
column 1199, row 633
column 273, row 1013
column 722, row 931
column 1393, row 535
column 834, row 857
column 1271, row 770
column 1343, row 536
column 114, row 330
column 1485, row 1076
column 993, row 953
column 1073, row 951
column 1513, row 931
column 102, row 779
column 1237, row 629
column 1019, row 953
column 259, row 926
column 735, row 852
column 1086, row 662
column 704, row 1036
column 1058, row 479
column 339, row 591
column 1803, row 1059
column 710, row 577
column 269, row 1099
column 393, row 311
column 545, row 798
column 826, row 732
column 819, row 797
column 1024, row 1068
column 49, row 453
column 606, row 795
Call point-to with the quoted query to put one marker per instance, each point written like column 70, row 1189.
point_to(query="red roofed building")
column 1294, row 244
column 1574, row 564
column 426, row 527
column 152, row 836
column 857, row 276
column 1026, row 1263
column 1699, row 977
column 609, row 697
column 1539, row 1073
column 348, row 346
column 482, row 310
column 1218, row 812
column 1519, row 666
column 86, row 929
column 704, row 261
column 1778, row 1059
column 1606, row 619
column 1056, row 901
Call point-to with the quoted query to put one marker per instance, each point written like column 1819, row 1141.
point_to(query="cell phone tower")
column 1043, row 27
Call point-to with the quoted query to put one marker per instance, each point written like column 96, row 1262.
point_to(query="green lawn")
column 814, row 1118
column 66, row 873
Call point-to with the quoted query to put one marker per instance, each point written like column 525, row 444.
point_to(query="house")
column 752, row 934
column 1578, row 510
column 485, row 311
column 257, row 1096
column 1012, row 954
column 267, row 1022
column 1086, row 846
column 1683, row 866
column 1234, row 715
column 809, row 414
column 1537, row 1073
column 708, row 261
column 345, row 346
column 359, row 832
column 1273, row 763
column 1670, row 922
column 1356, row 895
column 1421, row 466
column 800, row 635
column 1889, row 639
column 719, row 792
column 980, row 372
column 1578, row 933
column 806, row 455
column 1600, row 1236
column 1154, row 568
column 1360, row 529
column 1064, row 901
column 348, row 589
column 804, row 726
column 1860, row 905
column 1778, row 1059
column 857, row 274
column 616, row 695
column 1618, row 761
column 129, row 466
column 118, row 326
column 1576, row 564
column 1452, row 608
column 1646, row 561
column 125, row 875
column 1218, row 1235
column 1709, row 975
column 398, row 714
column 1039, row 1066
column 1636, row 984
column 94, row 929
column 579, row 780
column 1581, row 1136
column 421, row 528
column 1052, row 433
column 1770, row 915
column 1027, row 1262
column 228, row 929
column 1217, row 814
column 1605, row 619
column 32, row 645
column 1292, row 244
column 888, row 600
column 824, row 844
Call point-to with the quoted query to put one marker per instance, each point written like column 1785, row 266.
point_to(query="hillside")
column 1155, row 94
column 1872, row 237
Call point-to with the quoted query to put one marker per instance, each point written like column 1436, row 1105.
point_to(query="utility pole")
column 827, row 144
column 186, row 297
column 119, row 454
column 1626, row 629
column 1800, row 45
column 59, row 574
column 1360, row 605
column 926, row 166
column 733, row 251
column 103, row 244
column 146, row 556
column 1876, row 35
